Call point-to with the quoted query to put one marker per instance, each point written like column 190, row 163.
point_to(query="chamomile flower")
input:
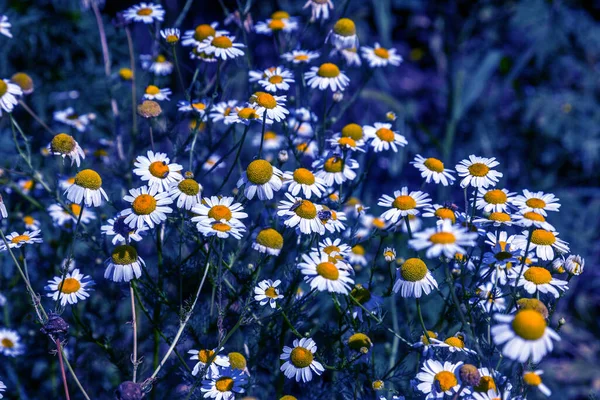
column 268, row 241
column 147, row 13
column 304, row 180
column 260, row 178
column 538, row 202
column 300, row 56
column 124, row 264
column 266, row 292
column 335, row 169
column 383, row 138
column 446, row 239
column 170, row 35
column 5, row 26
column 328, row 75
column 222, row 110
column 454, row 344
column 437, row 380
column 432, row 168
column 243, row 115
column 223, row 47
column 346, row 143
column 271, row 26
column 413, row 279
column 158, row 65
column 380, row 56
column 333, row 220
column 71, row 118
column 222, row 229
column 534, row 379
column 300, row 360
column 158, row 171
column 343, row 35
column 196, row 106
column 65, row 146
column 333, row 248
column 530, row 219
column 306, row 148
column 389, row 254
column 224, row 385
column 8, row 95
column 402, row 204
column 211, row 358
column 441, row 212
column 494, row 200
column 535, row 278
column 120, row 231
column 10, row 343
column 301, row 214
column 148, row 207
column 543, row 241
column 277, row 79
column 270, row 107
column 489, row 297
column 478, row 172
column 187, row 192
column 203, row 31
column 574, row 264
column 325, row 273
column 425, row 343
column 524, row 335
column 16, row 240
column 155, row 93
column 63, row 217
column 357, row 255
column 215, row 209
column 87, row 188
column 73, row 288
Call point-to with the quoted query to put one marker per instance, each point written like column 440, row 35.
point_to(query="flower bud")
column 469, row 375
column 338, row 96
column 283, row 156
column 129, row 391
column 149, row 109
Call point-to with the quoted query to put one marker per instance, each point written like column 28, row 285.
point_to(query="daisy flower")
column 155, row 93
column 300, row 56
column 357, row 255
column 223, row 47
column 87, row 188
column 326, row 274
column 277, row 79
column 478, row 172
column 5, row 26
column 389, row 254
column 243, row 115
column 209, row 357
column 413, row 279
column 446, row 239
column 156, row 169
column 8, row 95
column 260, row 178
column 268, row 241
column 534, row 379
column 72, row 289
column 271, row 26
column 10, row 343
column 224, row 385
column 343, row 35
column 301, row 214
column 197, row 106
column 71, row 118
column 124, row 264
column 543, row 241
column 200, row 33
column 333, row 220
column 336, row 169
column 62, row 217
column 148, row 207
column 120, row 231
column 219, row 111
column 333, row 248
column 328, row 75
column 574, row 264
column 300, row 360
column 147, row 13
column 219, row 216
column 158, row 65
column 524, row 335
column 187, row 192
column 494, row 200
column 441, row 212
column 383, row 138
column 65, row 146
column 402, row 204
column 171, row 35
column 306, row 148
column 16, row 240
column 532, row 219
column 454, row 344
column 380, row 56
column 437, row 380
column 266, row 292
column 432, row 168
column 538, row 202
column 534, row 278
column 272, row 106
column 489, row 297
column 346, row 143
column 257, row 75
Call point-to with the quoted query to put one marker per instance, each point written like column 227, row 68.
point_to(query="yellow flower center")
column 534, row 216
column 382, row 53
column 288, row 397
column 442, row 238
column 358, row 341
column 334, row 164
column 220, row 212
column 529, row 324
column 62, row 143
column 20, row 238
column 535, row 203
column 199, row 106
column 126, row 74
column 385, row 134
column 306, row 209
column 330, row 249
column 144, row 11
column 247, row 113
column 445, row 213
column 203, row 31
column 532, row 379
column 301, row 57
column 495, row 196
column 276, row 25
column 359, row 250
column 237, row 361
column 379, row 223
column 328, row 270
column 445, row 380
column 479, row 169
column 7, row 343
column 271, row 293
column 70, row 285
column 29, row 220
column 75, row 209
column 3, row 88
column 270, row 135
column 455, row 342
column 152, row 90
column 304, row 176
column 404, row 202
column 124, row 255
column 426, row 341
column 259, row 172
column 265, row 100
column 301, row 357
column 144, row 204
column 499, row 216
column 280, row 15
column 270, row 238
column 224, row 384
column 28, row 185
column 275, row 79
column 189, row 187
column 538, row 275
column 222, row 42
column 159, row 169
column 378, row 385
column 485, row 383
column 433, row 164
column 543, row 237
column 328, row 70
column 413, row 270
column 172, row 39
column 361, row 294
column 347, row 141
column 160, row 58
column 205, row 355
column 345, row 27
column 88, row 179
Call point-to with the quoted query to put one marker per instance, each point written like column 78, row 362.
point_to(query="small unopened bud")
column 283, row 156
column 189, row 175
column 149, row 109
column 129, row 391
column 469, row 375
column 561, row 322
column 338, row 96
column 389, row 254
column 390, row 116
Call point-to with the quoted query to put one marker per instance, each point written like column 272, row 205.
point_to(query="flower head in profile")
column 403, row 203
column 120, row 231
column 413, row 279
column 196, row 36
column 478, row 172
column 328, row 75
column 147, row 13
column 171, row 35
column 534, row 379
column 8, row 95
column 124, row 264
column 300, row 363
column 343, row 35
column 223, row 47
column 538, row 202
column 380, row 56
column 65, row 146
column 268, row 241
column 274, row 25
column 158, row 65
column 187, row 192
column 300, row 56
column 544, row 242
column 17, row 240
column 86, row 189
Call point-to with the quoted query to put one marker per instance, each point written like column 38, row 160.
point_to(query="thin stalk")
column 134, row 361
column 236, row 158
column 62, row 369
column 133, row 87
column 35, row 116
column 421, row 320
